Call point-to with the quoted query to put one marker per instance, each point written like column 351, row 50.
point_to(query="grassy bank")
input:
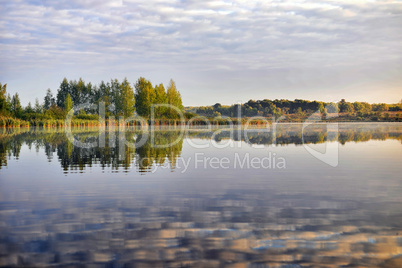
column 6, row 121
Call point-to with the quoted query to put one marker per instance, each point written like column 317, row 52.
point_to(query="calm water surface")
column 212, row 199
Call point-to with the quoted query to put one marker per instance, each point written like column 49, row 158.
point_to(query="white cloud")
column 200, row 36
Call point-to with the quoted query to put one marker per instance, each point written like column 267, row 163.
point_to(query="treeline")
column 120, row 98
column 277, row 108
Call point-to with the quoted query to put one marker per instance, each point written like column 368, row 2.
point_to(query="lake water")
column 318, row 197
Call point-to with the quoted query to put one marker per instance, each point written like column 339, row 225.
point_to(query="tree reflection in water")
column 118, row 156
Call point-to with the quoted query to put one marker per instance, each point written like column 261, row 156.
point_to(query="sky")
column 215, row 51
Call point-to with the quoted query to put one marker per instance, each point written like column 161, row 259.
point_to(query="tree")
column 321, row 107
column 8, row 103
column 332, row 108
column 366, row 107
column 68, row 104
column 218, row 105
column 299, row 112
column 115, row 95
column 78, row 91
column 73, row 90
column 144, row 96
column 345, row 107
column 268, row 107
column 174, row 99
column 3, row 99
column 216, row 114
column 16, row 108
column 62, row 92
column 56, row 112
column 102, row 94
column 49, row 99
column 380, row 107
column 361, row 107
column 29, row 109
column 127, row 98
column 38, row 107
column 89, row 94
column 358, row 107
column 277, row 112
column 160, row 98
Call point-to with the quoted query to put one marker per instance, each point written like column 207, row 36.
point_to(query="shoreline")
column 186, row 126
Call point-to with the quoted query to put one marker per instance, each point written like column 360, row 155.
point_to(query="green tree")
column 102, row 94
column 8, row 103
column 299, row 112
column 332, row 108
column 3, row 99
column 216, row 114
column 49, row 100
column 217, row 106
column 345, row 107
column 358, row 107
column 16, row 108
column 361, row 107
column 366, row 107
column 321, row 107
column 68, row 104
column 62, row 92
column 38, row 107
column 277, row 112
column 160, row 98
column 86, row 93
column 127, row 98
column 323, row 110
column 380, row 107
column 29, row 109
column 77, row 91
column 268, row 107
column 115, row 92
column 144, row 96
column 56, row 112
column 174, row 99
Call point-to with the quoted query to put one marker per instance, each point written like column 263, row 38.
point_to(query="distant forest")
column 298, row 107
column 120, row 98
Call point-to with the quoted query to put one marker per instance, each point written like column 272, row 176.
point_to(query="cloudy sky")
column 216, row 51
